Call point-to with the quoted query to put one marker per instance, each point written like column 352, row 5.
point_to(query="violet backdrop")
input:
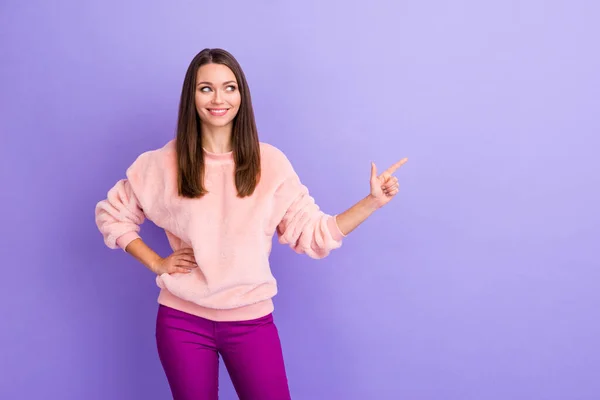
column 479, row 281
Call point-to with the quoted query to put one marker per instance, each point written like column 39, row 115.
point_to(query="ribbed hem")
column 245, row 313
column 127, row 238
column 334, row 229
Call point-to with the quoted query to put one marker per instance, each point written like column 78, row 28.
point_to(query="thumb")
column 373, row 171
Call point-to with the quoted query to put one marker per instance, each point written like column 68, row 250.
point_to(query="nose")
column 217, row 97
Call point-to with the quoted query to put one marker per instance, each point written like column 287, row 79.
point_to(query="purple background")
column 479, row 281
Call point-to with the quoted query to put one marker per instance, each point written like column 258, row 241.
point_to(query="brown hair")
column 246, row 148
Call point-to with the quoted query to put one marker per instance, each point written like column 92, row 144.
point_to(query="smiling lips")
column 217, row 112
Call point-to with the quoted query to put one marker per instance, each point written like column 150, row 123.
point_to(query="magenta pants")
column 189, row 349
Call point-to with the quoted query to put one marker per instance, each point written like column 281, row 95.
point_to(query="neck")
column 217, row 139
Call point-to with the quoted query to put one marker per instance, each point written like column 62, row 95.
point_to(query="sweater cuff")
column 334, row 229
column 124, row 240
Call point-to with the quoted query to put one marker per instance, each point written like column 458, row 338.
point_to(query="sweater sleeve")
column 304, row 227
column 119, row 216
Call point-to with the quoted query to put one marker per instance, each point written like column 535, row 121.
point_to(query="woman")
column 221, row 195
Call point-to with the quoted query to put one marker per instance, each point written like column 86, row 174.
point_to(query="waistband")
column 251, row 311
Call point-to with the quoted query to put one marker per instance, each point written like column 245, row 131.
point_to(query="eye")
column 231, row 88
column 204, row 89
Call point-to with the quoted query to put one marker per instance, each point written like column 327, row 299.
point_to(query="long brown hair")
column 246, row 147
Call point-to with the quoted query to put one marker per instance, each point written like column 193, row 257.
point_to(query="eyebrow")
column 210, row 83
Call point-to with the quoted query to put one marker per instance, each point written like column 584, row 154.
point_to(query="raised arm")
column 304, row 227
column 383, row 188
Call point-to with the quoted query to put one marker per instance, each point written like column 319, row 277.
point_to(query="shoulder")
column 154, row 162
column 272, row 158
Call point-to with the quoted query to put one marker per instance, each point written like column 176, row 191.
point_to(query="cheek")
column 198, row 101
column 200, row 109
column 236, row 99
column 236, row 103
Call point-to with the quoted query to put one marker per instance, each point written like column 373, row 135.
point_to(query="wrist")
column 154, row 265
column 372, row 203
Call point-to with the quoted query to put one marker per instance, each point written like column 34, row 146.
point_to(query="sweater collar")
column 218, row 157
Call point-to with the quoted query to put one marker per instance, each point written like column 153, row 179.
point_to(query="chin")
column 217, row 124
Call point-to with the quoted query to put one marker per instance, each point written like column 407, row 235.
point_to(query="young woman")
column 221, row 195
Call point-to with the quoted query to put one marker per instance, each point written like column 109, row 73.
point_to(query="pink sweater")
column 231, row 237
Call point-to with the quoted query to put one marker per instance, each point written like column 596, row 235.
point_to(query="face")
column 217, row 95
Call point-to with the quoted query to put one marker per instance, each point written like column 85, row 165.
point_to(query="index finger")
column 394, row 167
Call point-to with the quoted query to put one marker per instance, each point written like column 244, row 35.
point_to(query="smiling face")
column 217, row 95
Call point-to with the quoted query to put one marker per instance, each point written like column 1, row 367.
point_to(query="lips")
column 217, row 112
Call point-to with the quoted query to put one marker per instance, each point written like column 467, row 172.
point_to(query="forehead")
column 215, row 73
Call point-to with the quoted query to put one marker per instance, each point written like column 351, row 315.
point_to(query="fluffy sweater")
column 231, row 237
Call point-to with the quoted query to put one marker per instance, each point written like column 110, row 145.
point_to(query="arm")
column 119, row 217
column 308, row 230
column 350, row 219
column 383, row 188
column 144, row 254
column 302, row 225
